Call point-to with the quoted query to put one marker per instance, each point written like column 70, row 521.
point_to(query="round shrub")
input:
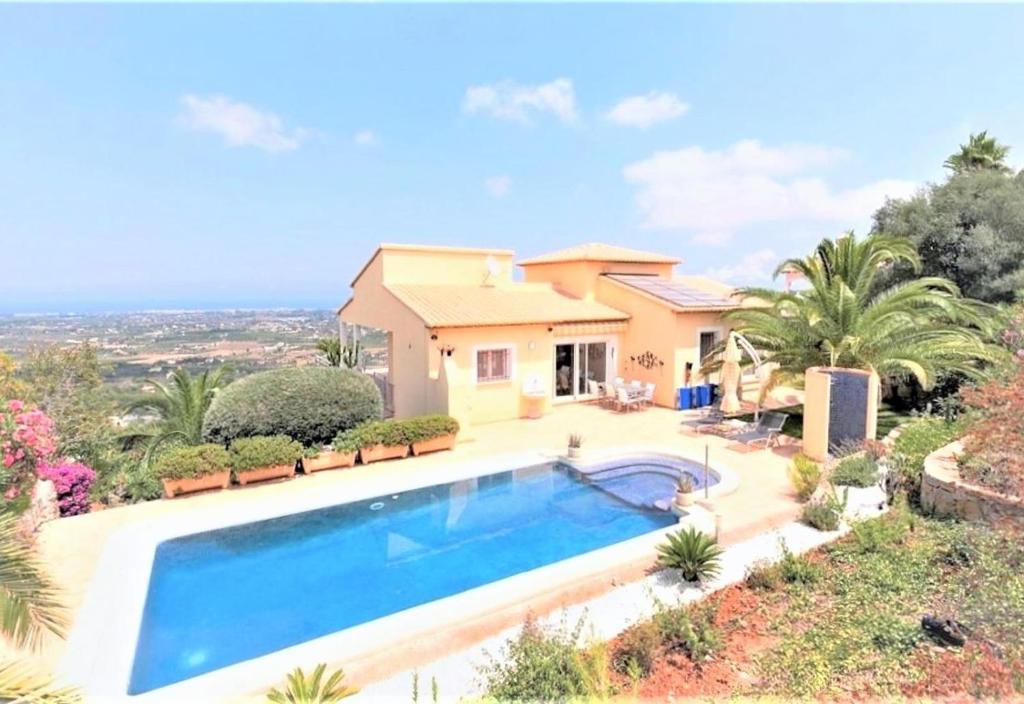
column 191, row 462
column 251, row 453
column 309, row 404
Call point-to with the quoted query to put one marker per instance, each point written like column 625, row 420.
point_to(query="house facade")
column 465, row 338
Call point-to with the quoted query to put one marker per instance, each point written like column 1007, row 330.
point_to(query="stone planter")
column 328, row 460
column 177, row 487
column 376, row 453
column 445, row 442
column 944, row 493
column 684, row 499
column 262, row 474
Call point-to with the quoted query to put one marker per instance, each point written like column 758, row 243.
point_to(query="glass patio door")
column 579, row 366
column 565, row 369
column 592, row 367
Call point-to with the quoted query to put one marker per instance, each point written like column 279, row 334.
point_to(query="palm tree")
column 29, row 609
column 181, row 406
column 979, row 154
column 851, row 316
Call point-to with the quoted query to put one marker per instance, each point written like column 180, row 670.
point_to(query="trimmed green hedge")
column 396, row 432
column 266, row 451
column 309, row 404
column 191, row 462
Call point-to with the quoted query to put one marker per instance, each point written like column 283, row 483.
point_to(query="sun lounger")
column 767, row 430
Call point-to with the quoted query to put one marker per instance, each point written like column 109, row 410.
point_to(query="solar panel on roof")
column 672, row 291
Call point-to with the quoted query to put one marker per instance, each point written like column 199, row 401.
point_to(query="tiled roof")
column 687, row 295
column 597, row 252
column 442, row 305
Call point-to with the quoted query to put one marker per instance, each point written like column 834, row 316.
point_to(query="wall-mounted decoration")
column 647, row 360
column 446, row 350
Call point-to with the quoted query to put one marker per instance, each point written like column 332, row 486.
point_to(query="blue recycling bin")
column 703, row 395
column 685, row 398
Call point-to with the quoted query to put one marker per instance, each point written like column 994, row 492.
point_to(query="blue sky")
column 255, row 155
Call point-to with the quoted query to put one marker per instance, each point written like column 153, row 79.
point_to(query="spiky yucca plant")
column 849, row 316
column 693, row 552
column 312, row 689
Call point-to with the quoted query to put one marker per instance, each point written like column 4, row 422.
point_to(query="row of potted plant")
column 188, row 469
column 183, row 470
column 394, row 439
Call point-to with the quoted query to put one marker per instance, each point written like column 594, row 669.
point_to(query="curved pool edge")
column 101, row 647
column 728, row 480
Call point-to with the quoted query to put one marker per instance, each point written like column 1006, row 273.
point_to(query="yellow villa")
column 465, row 338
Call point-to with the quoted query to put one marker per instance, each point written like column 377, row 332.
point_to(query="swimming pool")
column 224, row 596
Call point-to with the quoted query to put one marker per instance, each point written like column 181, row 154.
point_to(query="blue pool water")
column 229, row 595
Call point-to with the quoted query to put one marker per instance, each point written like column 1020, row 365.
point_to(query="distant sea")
column 121, row 307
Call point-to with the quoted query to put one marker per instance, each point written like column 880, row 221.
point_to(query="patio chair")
column 594, row 390
column 624, row 400
column 610, row 395
column 648, row 398
column 619, row 381
column 767, row 430
column 711, row 418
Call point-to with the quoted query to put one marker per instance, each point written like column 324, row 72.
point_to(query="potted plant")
column 264, row 457
column 379, row 440
column 575, row 442
column 184, row 470
column 684, row 490
column 331, row 456
column 431, row 433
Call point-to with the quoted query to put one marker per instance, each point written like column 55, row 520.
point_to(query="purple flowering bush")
column 72, row 482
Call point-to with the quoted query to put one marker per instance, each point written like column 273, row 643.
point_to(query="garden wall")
column 943, row 493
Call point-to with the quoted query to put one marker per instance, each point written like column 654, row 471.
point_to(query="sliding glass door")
column 579, row 368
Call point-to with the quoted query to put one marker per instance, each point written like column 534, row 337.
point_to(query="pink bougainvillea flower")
column 12, row 493
column 16, row 406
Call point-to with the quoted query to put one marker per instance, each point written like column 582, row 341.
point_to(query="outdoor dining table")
column 631, row 391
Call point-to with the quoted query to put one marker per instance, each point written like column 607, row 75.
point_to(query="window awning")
column 597, row 328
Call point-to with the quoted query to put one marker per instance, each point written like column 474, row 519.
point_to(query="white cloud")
column 498, row 186
column 748, row 183
column 240, row 124
column 714, row 239
column 508, row 100
column 365, row 138
column 756, row 267
column 646, row 110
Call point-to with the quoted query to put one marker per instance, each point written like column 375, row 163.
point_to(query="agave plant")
column 312, row 689
column 693, row 552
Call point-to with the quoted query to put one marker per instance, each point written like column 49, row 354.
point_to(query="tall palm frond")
column 851, row 316
column 180, row 404
column 29, row 604
column 20, row 683
column 980, row 153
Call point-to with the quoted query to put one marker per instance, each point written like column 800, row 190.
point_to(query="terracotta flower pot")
column 262, row 474
column 375, row 453
column 328, row 460
column 444, row 442
column 177, row 487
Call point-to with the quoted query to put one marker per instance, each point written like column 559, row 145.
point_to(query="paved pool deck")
column 763, row 501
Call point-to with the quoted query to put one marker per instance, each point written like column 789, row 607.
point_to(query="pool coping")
column 101, row 647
